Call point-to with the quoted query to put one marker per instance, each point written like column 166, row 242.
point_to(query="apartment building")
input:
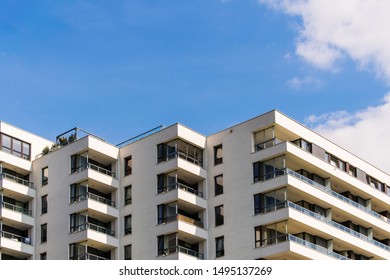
column 267, row 188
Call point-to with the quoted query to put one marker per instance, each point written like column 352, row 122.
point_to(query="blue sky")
column 119, row 68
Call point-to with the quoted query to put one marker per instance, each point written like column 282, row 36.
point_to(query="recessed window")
column 43, row 256
column 44, row 204
column 218, row 182
column 218, row 154
column 43, row 233
column 45, row 176
column 219, row 219
column 128, row 165
column 127, row 249
column 128, row 229
column 219, row 247
column 128, row 197
column 352, row 171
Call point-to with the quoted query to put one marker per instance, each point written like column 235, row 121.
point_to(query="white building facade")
column 268, row 188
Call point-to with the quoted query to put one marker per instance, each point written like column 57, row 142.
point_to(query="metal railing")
column 139, row 137
column 15, row 237
column 180, row 217
column 17, row 180
column 16, row 208
column 88, row 256
column 92, row 227
column 181, row 249
column 182, row 187
column 94, row 167
column 267, row 144
column 185, row 156
column 93, row 196
column 300, row 241
column 337, row 195
column 337, row 225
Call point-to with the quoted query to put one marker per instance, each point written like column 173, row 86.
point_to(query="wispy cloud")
column 308, row 81
column 361, row 132
column 332, row 29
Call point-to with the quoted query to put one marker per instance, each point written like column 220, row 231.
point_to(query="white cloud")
column 333, row 29
column 365, row 133
column 308, row 81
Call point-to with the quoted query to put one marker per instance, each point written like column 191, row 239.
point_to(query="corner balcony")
column 96, row 203
column 184, row 193
column 96, row 173
column 91, row 232
column 16, row 213
column 21, row 245
column 17, row 185
column 181, row 253
column 182, row 224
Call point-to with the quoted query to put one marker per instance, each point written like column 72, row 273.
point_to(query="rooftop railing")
column 139, row 137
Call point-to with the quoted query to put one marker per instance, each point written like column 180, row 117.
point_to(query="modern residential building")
column 267, row 188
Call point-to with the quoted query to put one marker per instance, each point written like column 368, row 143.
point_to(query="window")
column 270, row 201
column 352, row 171
column 128, row 195
column 127, row 249
column 269, row 169
column 128, row 165
column 219, row 215
column 218, row 154
column 43, row 256
column 15, row 147
column 219, row 247
column 265, row 139
column 218, row 182
column 128, row 224
column 44, row 204
column 43, row 233
column 45, row 176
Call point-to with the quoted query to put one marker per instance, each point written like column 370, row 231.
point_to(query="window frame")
column 219, row 215
column 218, row 160
column 44, row 204
column 127, row 228
column 44, row 178
column 128, row 170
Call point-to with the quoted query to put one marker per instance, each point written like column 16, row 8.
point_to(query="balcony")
column 19, row 245
column 180, row 217
column 93, row 197
column 16, row 180
column 91, row 257
column 96, row 168
column 292, row 238
column 328, row 191
column 15, row 237
column 16, row 208
column 337, row 225
column 93, row 227
column 181, row 187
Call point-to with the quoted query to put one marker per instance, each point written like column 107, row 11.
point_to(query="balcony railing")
column 267, row 144
column 182, row 187
column 93, row 196
column 295, row 239
column 17, row 180
column 180, row 217
column 337, row 225
column 92, row 227
column 88, row 256
column 181, row 249
column 185, row 156
column 16, row 208
column 337, row 195
column 96, row 168
column 15, row 237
